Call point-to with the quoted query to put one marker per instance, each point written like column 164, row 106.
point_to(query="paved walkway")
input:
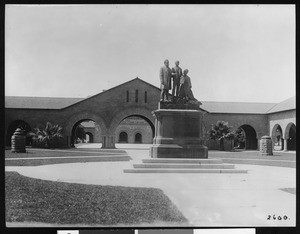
column 204, row 199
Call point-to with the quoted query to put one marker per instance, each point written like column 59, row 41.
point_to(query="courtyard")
column 265, row 196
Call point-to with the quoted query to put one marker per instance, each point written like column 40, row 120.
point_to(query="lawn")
column 62, row 152
column 34, row 200
column 75, row 156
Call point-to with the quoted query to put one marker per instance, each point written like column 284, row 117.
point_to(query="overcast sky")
column 240, row 53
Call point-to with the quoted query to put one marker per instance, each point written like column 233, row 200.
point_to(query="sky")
column 234, row 53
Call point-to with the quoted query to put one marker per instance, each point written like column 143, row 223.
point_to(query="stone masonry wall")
column 258, row 121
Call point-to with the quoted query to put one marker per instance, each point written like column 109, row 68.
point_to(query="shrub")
column 47, row 138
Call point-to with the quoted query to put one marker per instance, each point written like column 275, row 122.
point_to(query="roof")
column 39, row 102
column 111, row 89
column 237, row 107
column 212, row 107
column 288, row 104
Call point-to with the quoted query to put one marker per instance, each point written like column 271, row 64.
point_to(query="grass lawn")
column 39, row 162
column 31, row 153
column 77, row 157
column 34, row 200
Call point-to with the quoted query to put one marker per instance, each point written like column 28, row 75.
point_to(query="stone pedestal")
column 178, row 134
column 266, row 146
column 108, row 142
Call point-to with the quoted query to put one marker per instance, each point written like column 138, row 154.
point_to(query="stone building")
column 122, row 114
column 134, row 130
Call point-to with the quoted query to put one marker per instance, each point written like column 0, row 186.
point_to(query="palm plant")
column 47, row 137
column 220, row 131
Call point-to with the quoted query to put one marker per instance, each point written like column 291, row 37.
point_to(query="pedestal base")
column 176, row 151
column 178, row 134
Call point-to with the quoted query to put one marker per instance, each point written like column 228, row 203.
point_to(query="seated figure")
column 185, row 91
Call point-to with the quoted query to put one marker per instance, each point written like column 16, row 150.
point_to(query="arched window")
column 138, row 138
column 291, row 140
column 123, row 137
column 277, row 137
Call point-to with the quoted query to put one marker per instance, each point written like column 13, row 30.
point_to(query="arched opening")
column 138, row 138
column 277, row 137
column 291, row 140
column 250, row 137
column 139, row 130
column 89, row 137
column 239, row 139
column 85, row 132
column 123, row 137
column 13, row 126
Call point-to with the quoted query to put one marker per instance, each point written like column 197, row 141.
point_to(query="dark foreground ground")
column 34, row 200
column 31, row 200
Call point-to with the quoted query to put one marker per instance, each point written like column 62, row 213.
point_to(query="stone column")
column 108, row 142
column 155, row 133
column 266, row 146
column 285, row 145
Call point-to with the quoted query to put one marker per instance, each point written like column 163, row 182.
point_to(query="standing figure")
column 176, row 73
column 185, row 91
column 165, row 75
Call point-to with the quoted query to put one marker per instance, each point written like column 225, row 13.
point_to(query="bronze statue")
column 165, row 75
column 176, row 74
column 185, row 91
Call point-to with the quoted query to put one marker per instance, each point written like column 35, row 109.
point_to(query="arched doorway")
column 139, row 129
column 89, row 137
column 123, row 137
column 291, row 136
column 138, row 138
column 250, row 137
column 239, row 140
column 13, row 126
column 85, row 131
column 277, row 137
column 141, row 113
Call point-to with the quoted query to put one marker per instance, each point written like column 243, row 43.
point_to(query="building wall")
column 258, row 121
column 107, row 109
column 284, row 119
column 96, row 132
column 35, row 118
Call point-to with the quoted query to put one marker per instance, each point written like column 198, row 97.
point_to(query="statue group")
column 179, row 82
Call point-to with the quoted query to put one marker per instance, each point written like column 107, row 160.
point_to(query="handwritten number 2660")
column 277, row 217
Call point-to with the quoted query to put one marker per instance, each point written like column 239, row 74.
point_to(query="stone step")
column 164, row 170
column 177, row 165
column 183, row 160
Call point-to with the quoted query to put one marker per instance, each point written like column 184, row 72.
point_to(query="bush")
column 50, row 137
